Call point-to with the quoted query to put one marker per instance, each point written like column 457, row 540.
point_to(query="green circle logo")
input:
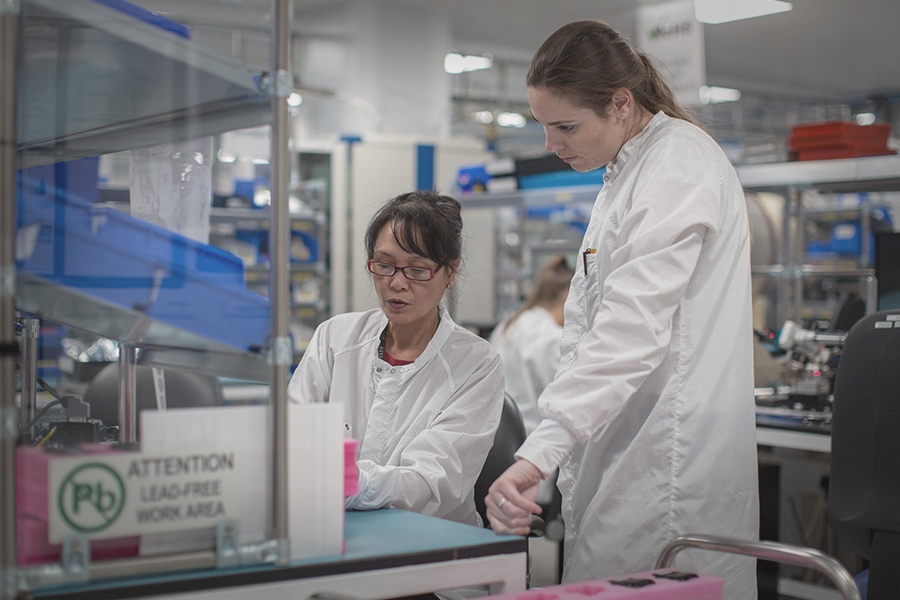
column 91, row 497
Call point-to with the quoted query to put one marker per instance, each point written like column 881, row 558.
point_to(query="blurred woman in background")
column 528, row 340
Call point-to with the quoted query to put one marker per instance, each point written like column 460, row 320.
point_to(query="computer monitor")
column 887, row 269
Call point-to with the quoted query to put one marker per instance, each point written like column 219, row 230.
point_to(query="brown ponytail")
column 656, row 95
column 552, row 285
column 587, row 61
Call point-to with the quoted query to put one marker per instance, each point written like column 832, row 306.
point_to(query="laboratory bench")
column 388, row 553
column 797, row 440
column 792, row 462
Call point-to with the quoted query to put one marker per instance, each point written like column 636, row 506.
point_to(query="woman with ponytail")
column 651, row 415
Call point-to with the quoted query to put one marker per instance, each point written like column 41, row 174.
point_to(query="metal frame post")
column 10, row 11
column 28, row 402
column 282, row 354
column 127, row 393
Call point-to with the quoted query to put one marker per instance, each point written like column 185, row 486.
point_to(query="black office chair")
column 864, row 487
column 184, row 389
column 852, row 310
column 509, row 436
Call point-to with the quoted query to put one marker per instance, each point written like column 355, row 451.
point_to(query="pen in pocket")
column 584, row 256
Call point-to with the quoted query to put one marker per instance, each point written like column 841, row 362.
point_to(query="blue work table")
column 388, row 553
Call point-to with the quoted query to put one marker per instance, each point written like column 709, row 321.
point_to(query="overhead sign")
column 671, row 34
column 117, row 495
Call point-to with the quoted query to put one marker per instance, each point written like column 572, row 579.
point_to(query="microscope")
column 812, row 364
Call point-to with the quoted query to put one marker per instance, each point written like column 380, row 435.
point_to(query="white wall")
column 378, row 168
column 372, row 66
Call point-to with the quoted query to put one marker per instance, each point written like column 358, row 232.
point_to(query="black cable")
column 48, row 388
column 58, row 400
column 9, row 348
column 43, row 412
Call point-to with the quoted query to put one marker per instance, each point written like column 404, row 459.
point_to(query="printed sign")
column 116, row 495
column 671, row 34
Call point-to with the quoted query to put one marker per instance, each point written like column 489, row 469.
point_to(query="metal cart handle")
column 773, row 551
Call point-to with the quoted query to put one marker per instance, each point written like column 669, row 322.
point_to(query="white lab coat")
column 426, row 428
column 529, row 348
column 652, row 410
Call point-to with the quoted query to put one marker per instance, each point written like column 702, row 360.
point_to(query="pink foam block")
column 32, row 480
column 351, row 479
column 661, row 584
column 351, row 474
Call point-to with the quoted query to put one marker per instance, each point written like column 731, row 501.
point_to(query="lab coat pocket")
column 591, row 266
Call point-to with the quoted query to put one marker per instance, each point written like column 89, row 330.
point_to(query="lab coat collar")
column 445, row 328
column 632, row 147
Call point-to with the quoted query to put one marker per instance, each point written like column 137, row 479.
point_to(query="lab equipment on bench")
column 813, row 358
column 803, row 400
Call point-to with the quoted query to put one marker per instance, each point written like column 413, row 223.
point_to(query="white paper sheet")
column 315, row 471
column 316, row 479
column 242, row 429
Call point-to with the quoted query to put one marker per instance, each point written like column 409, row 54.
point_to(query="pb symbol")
column 91, row 497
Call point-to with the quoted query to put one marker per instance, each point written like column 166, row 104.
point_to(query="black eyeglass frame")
column 431, row 272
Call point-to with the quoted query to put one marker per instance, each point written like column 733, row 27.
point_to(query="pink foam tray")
column 660, row 584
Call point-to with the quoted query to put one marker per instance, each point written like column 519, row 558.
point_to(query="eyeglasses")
column 384, row 269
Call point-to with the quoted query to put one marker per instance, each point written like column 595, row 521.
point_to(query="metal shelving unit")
column 95, row 80
column 309, row 278
column 91, row 80
column 870, row 173
column 533, row 198
column 516, row 247
column 793, row 272
column 792, row 180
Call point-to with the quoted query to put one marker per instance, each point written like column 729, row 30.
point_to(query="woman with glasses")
column 421, row 394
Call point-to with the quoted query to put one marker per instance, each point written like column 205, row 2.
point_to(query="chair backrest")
column 864, row 490
column 852, row 310
column 183, row 389
column 510, row 435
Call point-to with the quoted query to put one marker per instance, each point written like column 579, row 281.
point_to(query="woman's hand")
column 510, row 500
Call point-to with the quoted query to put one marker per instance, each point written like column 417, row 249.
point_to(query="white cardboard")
column 315, row 471
column 243, row 429
column 316, row 479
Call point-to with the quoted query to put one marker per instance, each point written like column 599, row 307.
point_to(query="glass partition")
column 133, row 455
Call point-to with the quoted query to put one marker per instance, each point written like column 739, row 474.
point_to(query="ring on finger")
column 502, row 502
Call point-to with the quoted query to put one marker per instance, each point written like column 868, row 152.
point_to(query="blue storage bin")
column 304, row 247
column 472, row 179
column 148, row 17
column 118, row 259
column 561, row 179
column 846, row 237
